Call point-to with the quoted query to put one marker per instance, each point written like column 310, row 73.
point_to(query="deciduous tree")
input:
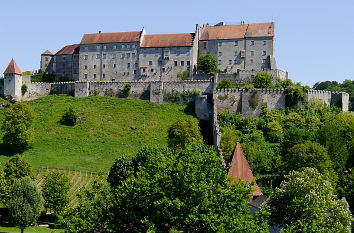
column 17, row 167
column 207, row 63
column 182, row 132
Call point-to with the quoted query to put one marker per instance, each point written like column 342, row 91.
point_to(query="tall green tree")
column 207, row 63
column 17, row 167
column 55, row 191
column 183, row 132
column 184, row 190
column 25, row 203
column 262, row 80
column 305, row 202
column 17, row 126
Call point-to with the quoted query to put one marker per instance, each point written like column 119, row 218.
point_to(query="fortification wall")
column 228, row 100
column 325, row 96
column 246, row 76
column 63, row 88
column 115, row 89
column 36, row 90
column 340, row 99
column 203, row 108
column 216, row 131
column 204, row 87
column 1, row 87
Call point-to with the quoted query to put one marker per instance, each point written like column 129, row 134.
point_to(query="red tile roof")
column 168, row 40
column 69, row 49
column 13, row 68
column 47, row 52
column 241, row 170
column 228, row 32
column 114, row 37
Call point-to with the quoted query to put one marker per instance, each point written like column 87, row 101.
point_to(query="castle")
column 243, row 50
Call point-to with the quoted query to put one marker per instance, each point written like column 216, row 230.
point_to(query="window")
column 220, row 43
column 104, row 56
column 128, row 65
column 252, row 53
column 94, row 66
column 85, row 57
column 98, row 47
column 264, row 61
column 156, row 54
column 236, row 43
column 152, row 70
column 205, row 44
column 160, row 63
column 114, row 47
column 264, row 42
column 94, row 76
column 103, row 76
column 85, row 67
column 114, row 56
column 104, row 47
column 188, row 63
column 182, row 63
column 150, row 63
column 264, row 53
column 86, row 48
column 98, row 56
column 123, row 46
column 178, row 53
column 230, row 62
column 251, row 61
column 220, row 54
column 85, row 76
column 134, row 71
column 252, row 42
column 46, row 59
column 163, row 69
column 104, row 66
column 122, row 55
column 128, row 46
column 235, row 62
column 114, row 65
column 64, row 58
column 133, row 46
column 175, row 63
column 128, row 55
column 219, row 62
column 188, row 53
column 166, row 53
column 133, row 55
column 144, row 70
column 127, row 73
column 236, row 53
column 144, row 54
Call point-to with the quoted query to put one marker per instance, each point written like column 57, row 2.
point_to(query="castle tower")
column 46, row 59
column 12, row 81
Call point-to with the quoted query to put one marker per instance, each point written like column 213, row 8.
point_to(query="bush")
column 262, row 80
column 24, row 89
column 126, row 90
column 69, row 117
column 207, row 63
column 182, row 132
column 17, row 167
column 225, row 83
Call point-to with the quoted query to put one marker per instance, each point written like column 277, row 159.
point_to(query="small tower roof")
column 47, row 52
column 241, row 170
column 13, row 68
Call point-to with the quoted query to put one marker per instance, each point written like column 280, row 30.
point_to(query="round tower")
column 12, row 82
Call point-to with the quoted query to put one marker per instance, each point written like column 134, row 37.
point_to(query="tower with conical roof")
column 12, row 81
column 46, row 59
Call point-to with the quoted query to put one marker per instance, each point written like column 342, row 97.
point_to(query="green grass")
column 29, row 230
column 103, row 134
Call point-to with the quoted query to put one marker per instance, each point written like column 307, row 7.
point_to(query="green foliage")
column 183, row 190
column 306, row 201
column 4, row 187
column 17, row 126
column 225, row 83
column 262, row 80
column 92, row 212
column 228, row 143
column 25, row 203
column 120, row 171
column 17, row 167
column 69, row 117
column 126, row 90
column 253, row 99
column 183, row 132
column 183, row 75
column 53, row 90
column 274, row 131
column 25, row 73
column 207, row 63
column 48, row 78
column 55, row 191
column 295, row 94
column 24, row 89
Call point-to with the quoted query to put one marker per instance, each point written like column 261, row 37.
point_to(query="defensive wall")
column 246, row 76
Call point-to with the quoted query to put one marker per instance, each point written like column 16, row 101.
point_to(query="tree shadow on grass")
column 5, row 150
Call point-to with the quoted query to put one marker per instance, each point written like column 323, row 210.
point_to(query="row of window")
column 113, row 56
column 175, row 62
column 264, row 53
column 252, row 42
column 114, row 47
column 264, row 61
column 104, row 75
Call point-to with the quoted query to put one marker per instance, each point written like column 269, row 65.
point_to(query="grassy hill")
column 104, row 131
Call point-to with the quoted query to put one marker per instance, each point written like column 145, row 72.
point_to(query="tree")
column 55, row 191
column 225, row 83
column 207, row 63
column 305, row 202
column 182, row 132
column 262, row 80
column 184, row 190
column 228, row 143
column 4, row 187
column 17, row 126
column 25, row 203
column 17, row 167
column 120, row 171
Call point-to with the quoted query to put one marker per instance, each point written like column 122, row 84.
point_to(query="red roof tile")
column 228, row 32
column 241, row 170
column 47, row 52
column 114, row 37
column 13, row 68
column 168, row 40
column 69, row 49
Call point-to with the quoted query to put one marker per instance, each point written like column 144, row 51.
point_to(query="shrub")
column 17, row 167
column 262, row 80
column 207, row 63
column 24, row 89
column 69, row 117
column 225, row 83
column 126, row 90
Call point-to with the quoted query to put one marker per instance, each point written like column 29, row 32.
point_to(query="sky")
column 314, row 39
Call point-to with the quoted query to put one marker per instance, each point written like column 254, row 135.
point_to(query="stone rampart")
column 115, row 89
column 216, row 131
column 204, row 87
column 325, row 96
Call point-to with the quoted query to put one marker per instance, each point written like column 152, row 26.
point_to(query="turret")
column 12, row 81
column 46, row 58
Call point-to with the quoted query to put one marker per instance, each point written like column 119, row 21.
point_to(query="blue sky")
column 314, row 39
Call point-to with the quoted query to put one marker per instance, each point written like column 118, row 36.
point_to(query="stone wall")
column 1, row 86
column 325, row 96
column 246, row 76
